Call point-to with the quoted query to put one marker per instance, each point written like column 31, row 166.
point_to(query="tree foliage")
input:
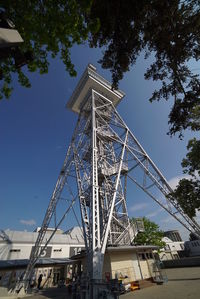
column 168, row 29
column 191, row 163
column 48, row 28
column 152, row 235
column 187, row 193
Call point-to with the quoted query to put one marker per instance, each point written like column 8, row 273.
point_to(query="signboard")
column 46, row 253
column 74, row 251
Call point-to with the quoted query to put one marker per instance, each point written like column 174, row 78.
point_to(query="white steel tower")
column 102, row 157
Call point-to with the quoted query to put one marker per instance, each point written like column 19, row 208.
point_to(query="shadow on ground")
column 59, row 293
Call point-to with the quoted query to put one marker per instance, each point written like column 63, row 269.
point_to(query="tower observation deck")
column 92, row 80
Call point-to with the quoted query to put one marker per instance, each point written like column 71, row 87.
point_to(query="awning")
column 47, row 262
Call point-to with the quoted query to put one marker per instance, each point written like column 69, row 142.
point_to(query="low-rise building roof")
column 132, row 248
column 12, row 236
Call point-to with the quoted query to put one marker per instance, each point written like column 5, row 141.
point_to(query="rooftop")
column 11, row 236
column 132, row 248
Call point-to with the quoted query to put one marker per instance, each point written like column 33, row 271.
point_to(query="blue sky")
column 36, row 128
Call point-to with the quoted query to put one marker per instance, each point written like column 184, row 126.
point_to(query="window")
column 149, row 255
column 141, row 256
column 176, row 256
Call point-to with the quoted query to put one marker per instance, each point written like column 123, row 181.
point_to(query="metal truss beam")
column 102, row 157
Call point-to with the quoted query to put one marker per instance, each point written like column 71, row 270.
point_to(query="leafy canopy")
column 152, row 235
column 191, row 163
column 188, row 196
column 48, row 28
column 187, row 193
column 168, row 29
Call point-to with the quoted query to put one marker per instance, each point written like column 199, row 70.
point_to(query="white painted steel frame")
column 102, row 156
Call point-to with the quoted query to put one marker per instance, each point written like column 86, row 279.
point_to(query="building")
column 173, row 235
column 55, row 263
column 63, row 257
column 130, row 263
column 18, row 244
column 192, row 248
column 172, row 250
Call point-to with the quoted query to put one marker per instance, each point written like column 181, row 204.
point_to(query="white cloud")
column 30, row 222
column 173, row 182
column 138, row 207
column 167, row 219
column 155, row 213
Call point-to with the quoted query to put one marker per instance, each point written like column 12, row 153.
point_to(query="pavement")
column 183, row 283
column 58, row 293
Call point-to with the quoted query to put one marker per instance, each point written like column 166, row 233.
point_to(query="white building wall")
column 171, row 249
column 18, row 245
column 60, row 251
column 136, row 267
column 4, row 251
column 19, row 251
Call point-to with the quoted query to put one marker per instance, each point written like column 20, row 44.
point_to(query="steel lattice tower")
column 102, row 157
